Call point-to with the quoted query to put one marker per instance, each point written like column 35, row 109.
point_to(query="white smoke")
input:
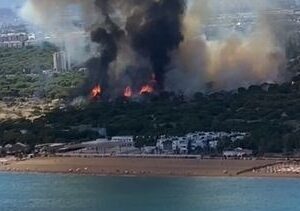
column 58, row 19
column 232, row 59
column 229, row 61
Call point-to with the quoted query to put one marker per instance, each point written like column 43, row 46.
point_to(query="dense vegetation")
column 26, row 72
column 31, row 59
column 269, row 113
column 49, row 86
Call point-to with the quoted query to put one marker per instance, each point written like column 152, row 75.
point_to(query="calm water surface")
column 30, row 192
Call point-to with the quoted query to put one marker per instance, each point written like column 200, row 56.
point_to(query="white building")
column 120, row 144
column 61, row 61
column 211, row 139
column 238, row 152
column 213, row 144
column 165, row 144
column 123, row 140
column 173, row 144
column 180, row 145
column 13, row 37
column 16, row 40
column 149, row 150
column 203, row 140
column 12, row 44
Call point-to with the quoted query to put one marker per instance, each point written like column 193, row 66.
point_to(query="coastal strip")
column 118, row 166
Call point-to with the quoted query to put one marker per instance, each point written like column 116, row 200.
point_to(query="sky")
column 10, row 3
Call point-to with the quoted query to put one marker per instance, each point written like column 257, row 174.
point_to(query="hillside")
column 31, row 59
column 268, row 112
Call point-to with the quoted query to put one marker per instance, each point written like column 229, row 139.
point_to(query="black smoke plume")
column 155, row 32
column 133, row 40
column 152, row 30
column 99, row 65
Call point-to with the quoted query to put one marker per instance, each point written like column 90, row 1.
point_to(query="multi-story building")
column 16, row 40
column 123, row 140
column 13, row 37
column 61, row 61
column 193, row 141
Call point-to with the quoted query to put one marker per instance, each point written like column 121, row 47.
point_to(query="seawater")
column 43, row 192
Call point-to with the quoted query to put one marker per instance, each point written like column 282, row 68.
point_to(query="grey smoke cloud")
column 184, row 59
column 231, row 61
column 52, row 16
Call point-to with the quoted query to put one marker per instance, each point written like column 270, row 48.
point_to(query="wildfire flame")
column 147, row 89
column 96, row 91
column 128, row 92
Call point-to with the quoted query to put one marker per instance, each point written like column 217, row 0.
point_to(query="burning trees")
column 131, row 39
column 129, row 92
column 147, row 89
column 144, row 41
column 96, row 92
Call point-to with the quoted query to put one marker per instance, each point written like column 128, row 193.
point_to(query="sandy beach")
column 148, row 167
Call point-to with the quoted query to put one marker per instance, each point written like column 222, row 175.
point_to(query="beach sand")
column 140, row 166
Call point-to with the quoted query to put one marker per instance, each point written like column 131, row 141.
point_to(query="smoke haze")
column 130, row 41
column 233, row 60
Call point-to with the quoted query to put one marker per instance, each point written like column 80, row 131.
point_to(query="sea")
column 43, row 192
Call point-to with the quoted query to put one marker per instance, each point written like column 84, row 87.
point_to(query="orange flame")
column 128, row 92
column 96, row 91
column 146, row 89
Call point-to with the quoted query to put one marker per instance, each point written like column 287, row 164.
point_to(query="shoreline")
column 152, row 167
column 150, row 176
